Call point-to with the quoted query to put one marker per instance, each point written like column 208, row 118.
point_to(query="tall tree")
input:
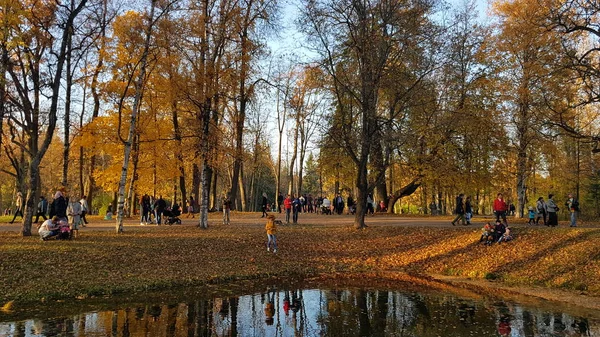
column 357, row 41
column 150, row 23
column 533, row 76
column 29, row 62
column 252, row 14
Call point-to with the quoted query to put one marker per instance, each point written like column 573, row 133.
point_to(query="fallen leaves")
column 179, row 256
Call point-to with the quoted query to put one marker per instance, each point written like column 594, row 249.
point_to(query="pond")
column 312, row 311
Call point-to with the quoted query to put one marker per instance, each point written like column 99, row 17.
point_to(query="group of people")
column 497, row 232
column 547, row 210
column 156, row 211
column 463, row 210
column 65, row 216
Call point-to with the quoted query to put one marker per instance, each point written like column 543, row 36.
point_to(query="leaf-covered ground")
column 153, row 258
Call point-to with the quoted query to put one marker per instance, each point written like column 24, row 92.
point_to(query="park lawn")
column 101, row 263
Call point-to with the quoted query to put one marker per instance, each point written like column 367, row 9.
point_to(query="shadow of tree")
column 526, row 261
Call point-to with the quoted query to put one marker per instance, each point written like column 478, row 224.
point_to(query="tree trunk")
column 243, row 190
column 91, row 182
column 196, row 180
column 215, row 197
column 67, row 125
column 293, row 160
column 405, row 191
column 139, row 87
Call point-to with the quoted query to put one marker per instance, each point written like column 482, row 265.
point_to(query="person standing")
column 573, row 207
column 159, row 207
column 145, row 206
column 74, row 212
column 552, row 209
column 59, row 205
column 18, row 207
column 84, row 210
column 280, row 202
column 500, row 208
column 296, row 208
column 459, row 210
column 287, row 203
column 370, row 204
column 264, row 205
column 542, row 212
column 42, row 209
column 226, row 210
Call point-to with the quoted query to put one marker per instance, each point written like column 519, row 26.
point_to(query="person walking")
column 459, row 210
column 552, row 209
column 18, row 207
column 264, row 205
column 226, row 210
column 468, row 210
column 542, row 212
column 500, row 208
column 190, row 207
column 271, row 229
column 42, row 209
column 84, row 210
column 573, row 207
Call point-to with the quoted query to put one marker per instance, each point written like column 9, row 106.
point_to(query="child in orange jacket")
column 271, row 230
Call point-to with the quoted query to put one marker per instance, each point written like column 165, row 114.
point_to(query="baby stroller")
column 64, row 231
column 172, row 215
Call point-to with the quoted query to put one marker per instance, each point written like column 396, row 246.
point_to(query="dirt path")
column 254, row 219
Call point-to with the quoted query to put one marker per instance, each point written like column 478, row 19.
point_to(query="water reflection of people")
column 581, row 326
column 466, row 313
column 286, row 303
column 270, row 308
column 296, row 304
column 504, row 328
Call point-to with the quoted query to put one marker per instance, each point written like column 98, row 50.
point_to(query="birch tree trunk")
column 133, row 120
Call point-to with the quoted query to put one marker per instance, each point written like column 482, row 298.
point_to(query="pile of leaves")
column 101, row 263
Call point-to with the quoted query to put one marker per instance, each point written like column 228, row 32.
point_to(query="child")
column 531, row 216
column 271, row 230
column 506, row 236
column 487, row 235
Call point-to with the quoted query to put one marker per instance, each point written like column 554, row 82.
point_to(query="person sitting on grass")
column 500, row 230
column 506, row 236
column 271, row 229
column 49, row 228
column 487, row 234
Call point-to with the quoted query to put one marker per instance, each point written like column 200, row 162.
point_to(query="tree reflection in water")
column 295, row 312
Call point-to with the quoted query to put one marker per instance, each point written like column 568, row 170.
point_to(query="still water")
column 317, row 312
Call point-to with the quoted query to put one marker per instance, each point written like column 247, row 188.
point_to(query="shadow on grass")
column 526, row 261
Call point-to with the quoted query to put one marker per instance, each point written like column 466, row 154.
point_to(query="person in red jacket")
column 287, row 204
column 500, row 208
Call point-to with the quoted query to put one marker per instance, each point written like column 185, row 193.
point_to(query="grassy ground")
column 154, row 258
